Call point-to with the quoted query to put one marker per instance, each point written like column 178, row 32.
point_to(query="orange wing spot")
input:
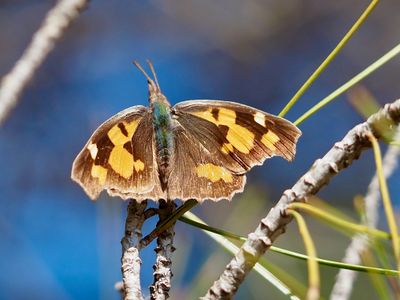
column 227, row 148
column 214, row 173
column 206, row 115
column 226, row 116
column 241, row 138
column 269, row 140
column 138, row 165
column 131, row 128
column 118, row 138
column 120, row 160
column 238, row 136
column 100, row 173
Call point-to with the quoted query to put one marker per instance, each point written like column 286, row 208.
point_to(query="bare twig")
column 150, row 212
column 56, row 22
column 162, row 268
column 130, row 250
column 339, row 157
column 345, row 279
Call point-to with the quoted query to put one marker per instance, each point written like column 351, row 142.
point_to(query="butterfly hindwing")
column 119, row 156
column 239, row 136
column 197, row 173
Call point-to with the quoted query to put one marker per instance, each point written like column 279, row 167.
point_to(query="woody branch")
column 130, row 260
column 162, row 274
column 52, row 29
column 340, row 156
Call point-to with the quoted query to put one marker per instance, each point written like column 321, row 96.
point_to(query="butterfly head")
column 155, row 94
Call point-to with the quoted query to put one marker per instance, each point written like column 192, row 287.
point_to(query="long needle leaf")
column 373, row 67
column 330, row 57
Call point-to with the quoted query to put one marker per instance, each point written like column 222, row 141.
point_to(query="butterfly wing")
column 238, row 135
column 119, row 157
column 197, row 174
column 217, row 142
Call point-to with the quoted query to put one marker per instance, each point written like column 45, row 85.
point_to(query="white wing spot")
column 93, row 150
column 260, row 118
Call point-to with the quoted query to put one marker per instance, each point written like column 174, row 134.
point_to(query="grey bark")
column 162, row 268
column 130, row 261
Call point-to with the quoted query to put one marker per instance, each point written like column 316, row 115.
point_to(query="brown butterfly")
column 197, row 149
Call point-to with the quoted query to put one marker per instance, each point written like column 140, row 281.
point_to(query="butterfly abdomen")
column 162, row 123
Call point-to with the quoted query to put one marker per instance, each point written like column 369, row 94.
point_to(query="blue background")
column 56, row 243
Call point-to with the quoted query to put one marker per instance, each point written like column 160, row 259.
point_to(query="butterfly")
column 196, row 149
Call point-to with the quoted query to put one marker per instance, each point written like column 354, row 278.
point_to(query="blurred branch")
column 130, row 250
column 162, row 268
column 52, row 29
column 340, row 156
column 345, row 279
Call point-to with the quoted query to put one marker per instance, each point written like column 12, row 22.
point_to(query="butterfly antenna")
column 154, row 72
column 151, row 81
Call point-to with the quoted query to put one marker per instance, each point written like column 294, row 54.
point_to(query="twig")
column 340, row 156
column 162, row 268
column 130, row 261
column 150, row 212
column 345, row 279
column 52, row 29
column 167, row 222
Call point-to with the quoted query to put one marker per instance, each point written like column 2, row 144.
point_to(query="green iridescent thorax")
column 164, row 139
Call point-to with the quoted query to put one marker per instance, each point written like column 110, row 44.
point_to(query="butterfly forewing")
column 119, row 156
column 237, row 135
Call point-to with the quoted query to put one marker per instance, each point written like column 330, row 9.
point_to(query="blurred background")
column 57, row 244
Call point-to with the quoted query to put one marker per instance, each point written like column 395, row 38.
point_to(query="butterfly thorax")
column 164, row 140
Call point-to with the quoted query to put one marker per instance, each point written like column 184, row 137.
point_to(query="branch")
column 52, row 29
column 130, row 250
column 162, row 268
column 340, row 156
column 360, row 242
